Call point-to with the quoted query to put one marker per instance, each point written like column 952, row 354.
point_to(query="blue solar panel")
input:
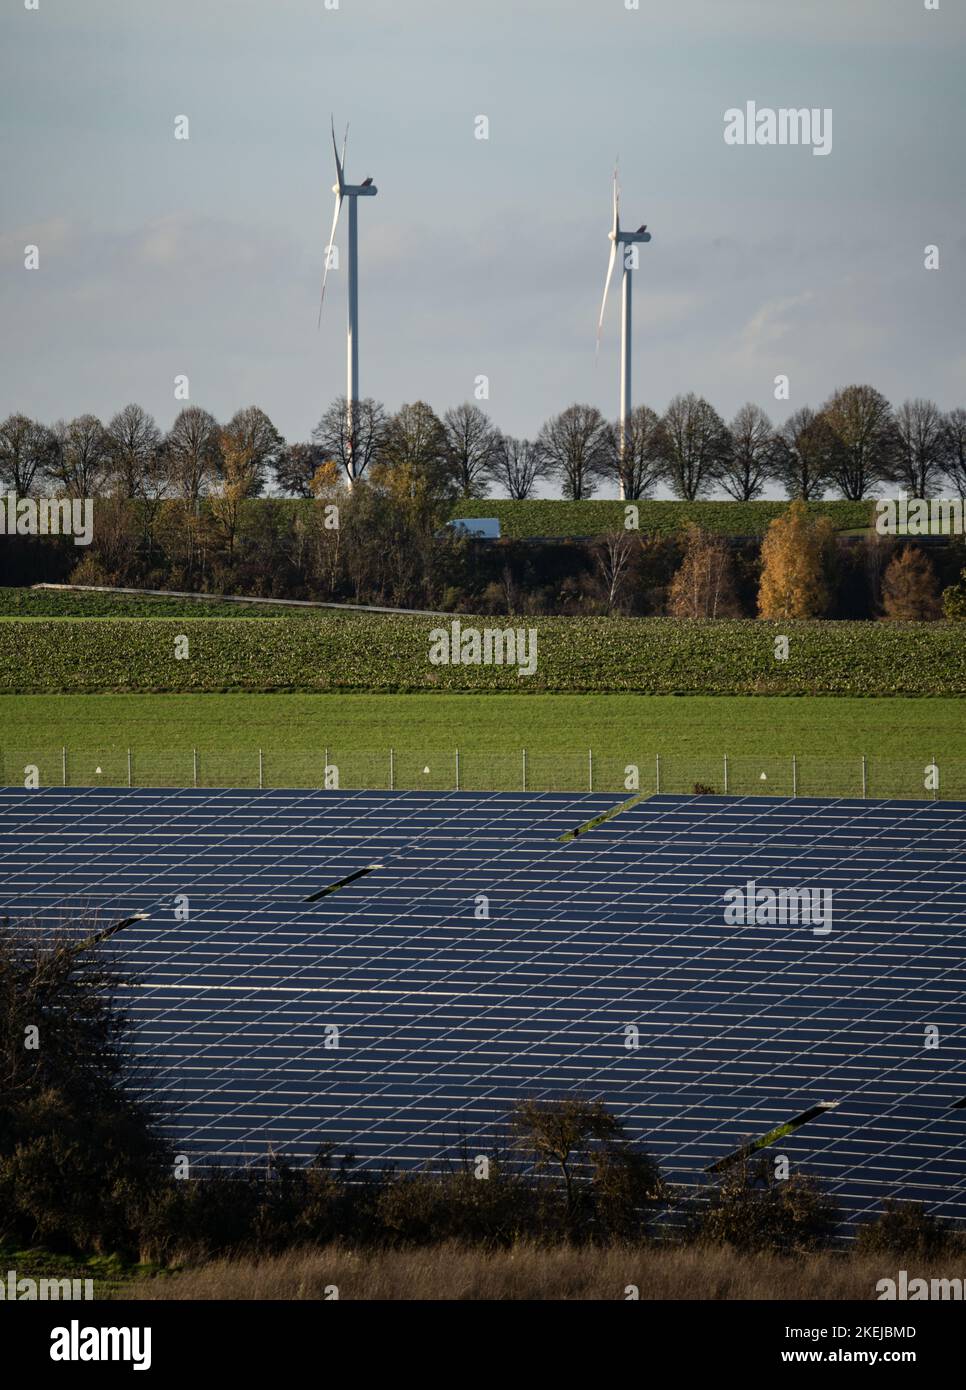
column 446, row 1016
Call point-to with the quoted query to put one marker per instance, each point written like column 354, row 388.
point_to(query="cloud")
column 773, row 321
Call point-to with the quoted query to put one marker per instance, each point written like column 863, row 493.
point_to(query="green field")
column 690, row 734
column 552, row 517
column 369, row 653
column 64, row 603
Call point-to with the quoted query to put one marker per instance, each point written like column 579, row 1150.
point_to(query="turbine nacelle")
column 618, row 238
column 342, row 190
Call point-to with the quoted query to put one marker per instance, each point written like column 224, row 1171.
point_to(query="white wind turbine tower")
column 350, row 191
column 629, row 261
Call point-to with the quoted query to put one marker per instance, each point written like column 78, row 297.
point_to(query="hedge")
column 390, row 654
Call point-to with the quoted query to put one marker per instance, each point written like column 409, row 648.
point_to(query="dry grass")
column 528, row 1272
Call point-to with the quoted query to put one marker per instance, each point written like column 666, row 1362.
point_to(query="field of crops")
column 62, row 603
column 550, row 517
column 389, row 654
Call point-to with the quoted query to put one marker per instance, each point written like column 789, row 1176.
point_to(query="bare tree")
column 192, row 454
column 639, row 466
column 27, row 450
column 917, row 462
column 296, row 467
column 750, row 464
column 134, row 442
column 471, row 441
column 612, row 558
column 802, row 461
column 516, row 466
column 81, row 461
column 863, row 439
column 694, row 443
column 576, row 445
column 354, row 444
column 704, row 586
column 954, row 449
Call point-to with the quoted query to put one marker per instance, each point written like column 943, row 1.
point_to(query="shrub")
column 750, row 1209
column 905, row 1228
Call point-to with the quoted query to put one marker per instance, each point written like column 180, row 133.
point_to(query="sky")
column 202, row 257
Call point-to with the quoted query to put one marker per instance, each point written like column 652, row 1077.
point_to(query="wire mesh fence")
column 476, row 770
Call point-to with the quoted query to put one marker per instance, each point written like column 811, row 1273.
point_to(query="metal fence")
column 520, row 769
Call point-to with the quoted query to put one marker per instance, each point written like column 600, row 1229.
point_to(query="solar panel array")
column 479, row 959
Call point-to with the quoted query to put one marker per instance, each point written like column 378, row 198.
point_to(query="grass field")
column 529, row 1272
column 690, row 733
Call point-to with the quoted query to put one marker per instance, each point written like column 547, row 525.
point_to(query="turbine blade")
column 325, row 270
column 603, row 304
column 617, row 203
column 335, row 150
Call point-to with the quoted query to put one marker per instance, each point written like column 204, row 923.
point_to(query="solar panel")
column 485, row 960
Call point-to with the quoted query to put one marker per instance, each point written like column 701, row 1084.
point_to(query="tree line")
column 855, row 442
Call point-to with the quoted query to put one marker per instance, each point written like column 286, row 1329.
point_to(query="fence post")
column 590, row 769
column 865, row 780
column 392, row 771
column 794, row 775
column 194, row 765
column 657, row 774
column 726, row 774
column 63, row 760
column 261, row 771
column 457, row 769
column 129, row 781
column 524, row 769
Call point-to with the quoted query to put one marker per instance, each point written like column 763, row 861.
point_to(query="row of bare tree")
column 855, row 442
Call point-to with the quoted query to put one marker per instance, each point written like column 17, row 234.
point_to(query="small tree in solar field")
column 627, row 1187
column 751, row 1209
column 606, row 1184
column 905, row 1228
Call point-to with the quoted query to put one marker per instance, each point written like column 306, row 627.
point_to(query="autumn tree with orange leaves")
column 795, row 558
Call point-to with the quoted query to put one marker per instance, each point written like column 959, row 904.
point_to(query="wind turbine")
column 350, row 191
column 629, row 261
